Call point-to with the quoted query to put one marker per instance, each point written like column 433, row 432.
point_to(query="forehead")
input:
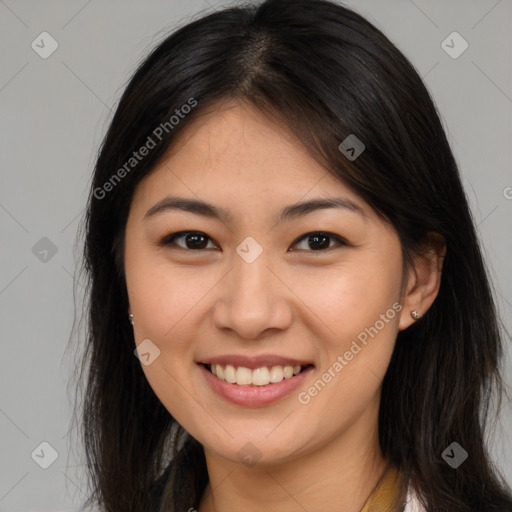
column 236, row 137
column 235, row 155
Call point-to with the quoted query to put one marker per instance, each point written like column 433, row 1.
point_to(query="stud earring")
column 130, row 316
column 415, row 315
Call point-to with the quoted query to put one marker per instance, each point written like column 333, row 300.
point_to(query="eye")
column 316, row 241
column 195, row 240
column 319, row 241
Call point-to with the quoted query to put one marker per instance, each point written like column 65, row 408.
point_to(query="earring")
column 130, row 316
column 415, row 315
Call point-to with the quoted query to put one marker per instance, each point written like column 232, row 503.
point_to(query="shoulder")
column 412, row 503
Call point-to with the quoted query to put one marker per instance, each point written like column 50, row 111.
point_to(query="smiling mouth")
column 243, row 376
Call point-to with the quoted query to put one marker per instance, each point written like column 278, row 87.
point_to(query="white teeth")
column 229, row 374
column 288, row 372
column 258, row 377
column 243, row 376
column 276, row 374
column 261, row 376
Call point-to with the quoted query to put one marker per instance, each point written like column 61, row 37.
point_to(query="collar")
column 389, row 494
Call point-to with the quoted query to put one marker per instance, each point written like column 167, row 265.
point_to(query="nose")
column 253, row 300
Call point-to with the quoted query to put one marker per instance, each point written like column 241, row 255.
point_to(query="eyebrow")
column 288, row 213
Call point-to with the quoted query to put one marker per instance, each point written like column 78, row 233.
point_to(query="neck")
column 339, row 475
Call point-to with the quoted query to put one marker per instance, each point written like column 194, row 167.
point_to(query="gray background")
column 54, row 113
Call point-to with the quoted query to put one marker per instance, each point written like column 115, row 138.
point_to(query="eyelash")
column 169, row 239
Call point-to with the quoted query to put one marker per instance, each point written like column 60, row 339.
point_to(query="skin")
column 293, row 300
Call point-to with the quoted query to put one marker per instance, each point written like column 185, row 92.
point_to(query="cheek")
column 162, row 299
column 168, row 301
column 355, row 308
column 163, row 303
column 350, row 298
column 358, row 308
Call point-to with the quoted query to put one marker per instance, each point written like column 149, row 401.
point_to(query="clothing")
column 412, row 502
column 390, row 494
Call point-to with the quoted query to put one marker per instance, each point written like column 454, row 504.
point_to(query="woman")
column 279, row 249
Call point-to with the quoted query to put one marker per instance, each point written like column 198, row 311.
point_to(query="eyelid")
column 169, row 240
column 337, row 238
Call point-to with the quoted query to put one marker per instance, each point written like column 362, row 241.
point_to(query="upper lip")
column 256, row 361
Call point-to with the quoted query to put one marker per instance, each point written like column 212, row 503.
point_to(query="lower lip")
column 254, row 396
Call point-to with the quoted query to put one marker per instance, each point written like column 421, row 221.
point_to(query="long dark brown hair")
column 327, row 73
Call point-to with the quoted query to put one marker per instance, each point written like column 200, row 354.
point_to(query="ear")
column 424, row 279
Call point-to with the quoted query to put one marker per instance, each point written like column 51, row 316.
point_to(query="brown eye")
column 194, row 240
column 319, row 241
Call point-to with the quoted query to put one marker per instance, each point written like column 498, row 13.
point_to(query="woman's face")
column 258, row 287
